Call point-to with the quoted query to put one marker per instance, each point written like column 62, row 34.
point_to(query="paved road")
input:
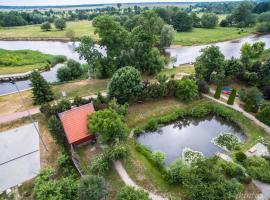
column 129, row 182
column 18, row 115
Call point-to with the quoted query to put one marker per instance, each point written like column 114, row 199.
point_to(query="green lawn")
column 81, row 28
column 20, row 61
column 206, row 36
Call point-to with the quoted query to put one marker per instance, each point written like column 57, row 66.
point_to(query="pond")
column 195, row 134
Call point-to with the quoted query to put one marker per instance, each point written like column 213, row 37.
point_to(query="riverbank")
column 25, row 61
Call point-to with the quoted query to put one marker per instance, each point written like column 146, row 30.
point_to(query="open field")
column 20, row 61
column 206, row 36
column 80, row 28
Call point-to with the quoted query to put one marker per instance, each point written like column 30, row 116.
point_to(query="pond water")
column 195, row 134
column 230, row 49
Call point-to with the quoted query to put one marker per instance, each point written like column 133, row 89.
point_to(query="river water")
column 183, row 54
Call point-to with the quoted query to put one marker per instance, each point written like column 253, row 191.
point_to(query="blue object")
column 227, row 89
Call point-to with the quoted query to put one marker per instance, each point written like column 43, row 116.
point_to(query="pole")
column 29, row 114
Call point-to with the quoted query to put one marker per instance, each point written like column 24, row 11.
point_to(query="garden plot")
column 20, row 156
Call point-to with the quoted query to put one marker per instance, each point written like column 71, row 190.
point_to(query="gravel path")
column 129, row 182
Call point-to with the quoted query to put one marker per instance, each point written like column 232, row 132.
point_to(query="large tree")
column 108, row 125
column 182, row 22
column 242, row 15
column 41, row 89
column 209, row 65
column 209, row 20
column 166, row 36
column 125, row 84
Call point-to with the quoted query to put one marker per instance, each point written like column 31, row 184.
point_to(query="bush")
column 64, row 74
column 152, row 125
column 218, row 91
column 186, row 90
column 78, row 101
column 60, row 24
column 130, row 193
column 240, row 156
column 46, row 26
column 258, row 168
column 66, row 165
column 203, row 87
column 232, row 97
column 177, row 172
column 71, row 71
column 209, row 20
column 92, row 187
column 263, row 27
column 56, row 129
column 158, row 158
column 100, row 164
column 118, row 152
column 120, row 109
column 264, row 115
column 224, row 23
column 266, row 92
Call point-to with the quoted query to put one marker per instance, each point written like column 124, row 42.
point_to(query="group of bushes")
column 71, row 71
column 59, row 24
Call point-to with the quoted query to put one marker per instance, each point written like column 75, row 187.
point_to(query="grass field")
column 25, row 60
column 206, row 36
column 80, row 28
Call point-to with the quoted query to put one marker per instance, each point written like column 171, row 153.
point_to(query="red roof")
column 74, row 122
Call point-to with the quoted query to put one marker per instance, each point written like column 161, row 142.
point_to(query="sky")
column 79, row 2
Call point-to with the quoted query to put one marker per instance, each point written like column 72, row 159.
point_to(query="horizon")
column 29, row 3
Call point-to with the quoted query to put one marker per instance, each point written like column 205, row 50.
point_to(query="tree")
column 264, row 114
column 177, row 172
column 218, row 91
column 92, row 187
column 46, row 26
column 71, row 71
column 266, row 92
column 70, row 34
column 209, row 20
column 233, row 67
column 88, row 51
column 41, row 89
column 64, row 74
column 130, row 193
column 209, row 65
column 60, row 24
column 108, row 125
column 196, row 21
column 186, row 89
column 182, row 22
column 56, row 129
column 120, row 109
column 224, row 23
column 242, row 15
column 232, row 97
column 252, row 98
column 159, row 158
column 125, row 84
column 166, row 36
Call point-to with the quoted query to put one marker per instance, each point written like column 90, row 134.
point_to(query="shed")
column 74, row 122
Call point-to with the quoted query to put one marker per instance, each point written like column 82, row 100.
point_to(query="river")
column 184, row 54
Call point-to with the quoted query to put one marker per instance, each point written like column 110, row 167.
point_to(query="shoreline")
column 37, row 39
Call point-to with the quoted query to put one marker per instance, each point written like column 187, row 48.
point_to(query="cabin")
column 74, row 122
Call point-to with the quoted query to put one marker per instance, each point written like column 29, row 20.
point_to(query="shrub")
column 266, row 92
column 64, row 74
column 224, row 23
column 177, row 172
column 240, row 156
column 209, row 20
column 66, row 165
column 92, row 187
column 120, row 109
column 186, row 90
column 56, row 129
column 46, row 26
column 258, row 168
column 264, row 115
column 46, row 109
column 152, row 125
column 232, row 97
column 118, row 152
column 252, row 98
column 218, row 91
column 130, row 193
column 100, row 164
column 203, row 87
column 60, row 24
column 158, row 158
column 78, row 101
column 71, row 71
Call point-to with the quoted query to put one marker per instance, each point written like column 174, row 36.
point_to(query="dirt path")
column 239, row 109
column 129, row 182
column 17, row 115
